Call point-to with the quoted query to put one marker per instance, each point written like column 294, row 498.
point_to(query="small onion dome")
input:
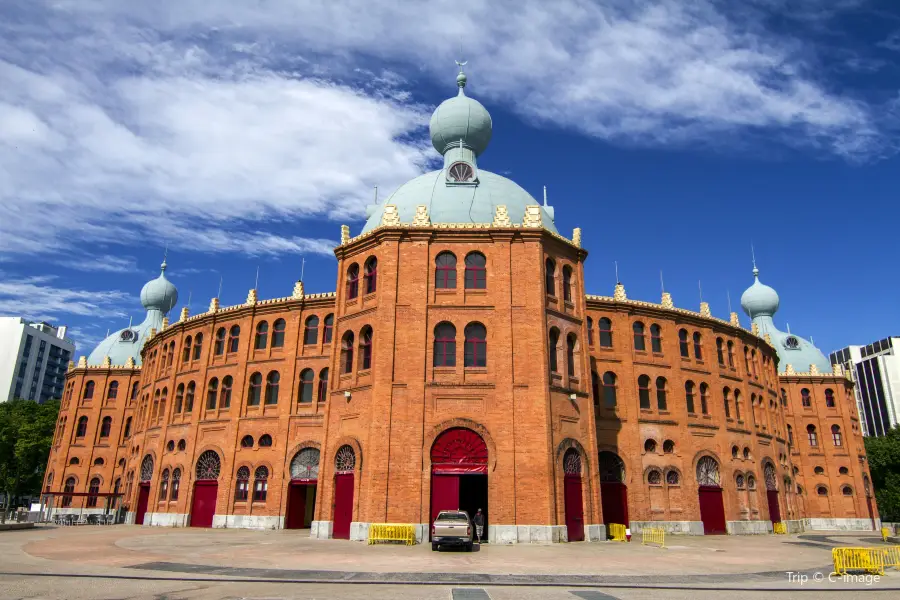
column 461, row 119
column 159, row 294
column 759, row 299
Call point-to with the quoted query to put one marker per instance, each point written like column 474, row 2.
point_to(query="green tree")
column 26, row 433
column 884, row 463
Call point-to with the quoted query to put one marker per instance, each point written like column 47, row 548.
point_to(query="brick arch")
column 346, row 440
column 478, row 428
column 668, row 468
column 198, row 452
column 289, row 456
column 572, row 443
column 646, row 472
column 93, row 475
column 615, row 450
column 703, row 453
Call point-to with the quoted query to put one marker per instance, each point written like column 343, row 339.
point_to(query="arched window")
column 247, row 441
column 272, row 387
column 219, row 348
column 329, row 328
column 198, row 347
column 74, row 461
column 819, row 470
column 113, row 390
column 99, row 462
column 805, row 398
column 704, row 398
column 371, row 275
column 753, row 362
column 822, row 490
column 668, row 446
column 661, row 393
column 311, row 330
column 212, row 393
column 347, row 353
column 179, row 398
column 134, row 390
column 650, row 446
column 306, row 385
column 93, row 490
column 475, row 351
column 278, row 333
column 265, row 440
column 171, row 356
column 595, row 387
column 836, row 435
column 737, row 404
column 639, row 342
column 644, row 391
column 571, row 341
column 654, row 477
column 262, row 336
column 260, row 484
column 89, row 390
column 323, row 385
column 829, row 398
column 553, row 349
column 209, row 466
column 105, row 427
column 609, row 389
column 242, row 485
column 847, row 490
column 444, row 345
column 708, row 471
column 730, row 347
column 790, row 435
column 746, row 453
column 365, row 348
column 476, row 271
column 445, row 271
column 811, row 435
column 162, row 404
column 81, row 431
column 127, row 433
column 604, row 327
column 567, row 283
column 720, row 351
column 726, row 400
column 352, row 282
column 590, row 331
column 689, row 396
column 550, row 277
column 672, row 477
column 656, row 338
column 164, row 485
column 683, row 343
column 234, row 338
column 186, row 351
column 225, row 395
column 189, row 397
column 176, row 481
column 698, row 350
column 254, row 392
column 69, row 488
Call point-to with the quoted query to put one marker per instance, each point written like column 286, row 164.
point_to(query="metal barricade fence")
column 891, row 556
column 869, row 560
column 392, row 532
column 617, row 532
column 779, row 528
column 654, row 535
column 885, row 534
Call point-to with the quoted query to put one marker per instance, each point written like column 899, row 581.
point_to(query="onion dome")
column 461, row 119
column 759, row 299
column 159, row 294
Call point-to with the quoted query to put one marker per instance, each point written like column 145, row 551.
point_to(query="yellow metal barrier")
column 870, row 560
column 885, row 534
column 617, row 532
column 891, row 556
column 779, row 528
column 392, row 532
column 654, row 535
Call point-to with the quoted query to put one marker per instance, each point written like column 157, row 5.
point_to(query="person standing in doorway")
column 478, row 519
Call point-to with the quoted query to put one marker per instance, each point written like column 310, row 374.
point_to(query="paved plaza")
column 136, row 562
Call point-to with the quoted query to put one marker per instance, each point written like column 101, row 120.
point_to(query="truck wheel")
column 434, row 546
column 469, row 547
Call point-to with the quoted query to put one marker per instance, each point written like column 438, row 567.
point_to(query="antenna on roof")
column 376, row 194
column 617, row 271
column 545, row 199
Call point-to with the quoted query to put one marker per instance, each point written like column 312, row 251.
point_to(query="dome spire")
column 753, row 255
column 461, row 77
column 165, row 256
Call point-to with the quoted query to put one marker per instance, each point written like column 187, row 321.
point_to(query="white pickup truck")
column 452, row 528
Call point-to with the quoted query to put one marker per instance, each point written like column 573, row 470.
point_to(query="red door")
column 712, row 510
column 444, row 494
column 143, row 498
column 614, row 502
column 774, row 509
column 574, row 508
column 296, row 508
column 204, row 505
column 343, row 505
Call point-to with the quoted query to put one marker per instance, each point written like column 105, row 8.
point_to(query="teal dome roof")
column 759, row 299
column 461, row 119
column 159, row 294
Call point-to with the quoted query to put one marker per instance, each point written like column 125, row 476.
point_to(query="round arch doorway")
column 613, row 491
column 206, row 489
column 712, row 507
column 301, row 504
column 459, row 480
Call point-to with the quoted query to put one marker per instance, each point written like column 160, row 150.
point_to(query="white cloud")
column 37, row 298
column 104, row 263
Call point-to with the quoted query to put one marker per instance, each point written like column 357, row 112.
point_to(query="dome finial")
column 165, row 256
column 753, row 255
column 461, row 78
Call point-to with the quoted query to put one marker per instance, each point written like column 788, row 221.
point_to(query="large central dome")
column 460, row 192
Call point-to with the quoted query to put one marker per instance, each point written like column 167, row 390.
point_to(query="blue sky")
column 242, row 135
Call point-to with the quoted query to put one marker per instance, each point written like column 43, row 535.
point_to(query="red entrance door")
column 204, row 505
column 774, row 509
column 343, row 505
column 712, row 510
column 143, row 499
column 296, row 507
column 574, row 508
column 444, row 494
column 614, row 502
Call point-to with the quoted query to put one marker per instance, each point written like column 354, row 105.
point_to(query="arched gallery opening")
column 459, row 479
column 144, row 489
column 301, row 501
column 772, row 492
column 712, row 507
column 344, row 484
column 613, row 491
column 206, row 489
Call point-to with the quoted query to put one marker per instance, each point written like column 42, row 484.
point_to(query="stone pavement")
column 201, row 563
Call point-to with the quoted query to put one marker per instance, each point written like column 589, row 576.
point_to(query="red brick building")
column 459, row 364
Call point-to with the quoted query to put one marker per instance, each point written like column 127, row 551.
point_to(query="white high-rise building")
column 34, row 358
column 875, row 368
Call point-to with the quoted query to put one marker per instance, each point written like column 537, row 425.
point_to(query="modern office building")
column 33, row 360
column 875, row 368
